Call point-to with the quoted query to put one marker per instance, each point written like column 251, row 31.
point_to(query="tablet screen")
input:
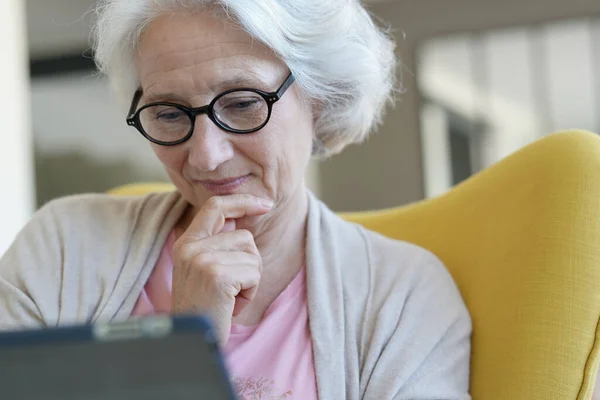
column 179, row 366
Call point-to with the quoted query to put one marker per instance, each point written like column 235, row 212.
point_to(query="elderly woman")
column 235, row 97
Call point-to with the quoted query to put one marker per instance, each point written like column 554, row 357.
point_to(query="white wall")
column 388, row 169
column 566, row 54
column 435, row 141
column 535, row 81
column 78, row 112
column 55, row 27
column 16, row 176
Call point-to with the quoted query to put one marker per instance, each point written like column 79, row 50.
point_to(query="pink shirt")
column 270, row 361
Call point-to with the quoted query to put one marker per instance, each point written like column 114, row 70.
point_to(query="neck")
column 281, row 238
column 281, row 241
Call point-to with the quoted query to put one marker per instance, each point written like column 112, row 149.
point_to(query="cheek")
column 294, row 123
column 291, row 138
column 298, row 135
column 171, row 158
column 263, row 151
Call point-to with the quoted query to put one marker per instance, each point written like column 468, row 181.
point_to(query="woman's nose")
column 210, row 146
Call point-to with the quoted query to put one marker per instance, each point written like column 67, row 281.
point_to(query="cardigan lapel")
column 332, row 244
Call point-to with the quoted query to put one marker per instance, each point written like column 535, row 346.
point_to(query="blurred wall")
column 82, row 143
column 57, row 27
column 509, row 86
column 388, row 169
column 16, row 178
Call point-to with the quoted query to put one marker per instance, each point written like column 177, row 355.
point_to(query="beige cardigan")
column 386, row 319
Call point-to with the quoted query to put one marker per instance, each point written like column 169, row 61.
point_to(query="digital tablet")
column 143, row 359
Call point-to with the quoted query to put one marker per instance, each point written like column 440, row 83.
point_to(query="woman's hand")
column 217, row 268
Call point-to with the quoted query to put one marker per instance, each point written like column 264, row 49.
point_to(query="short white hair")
column 342, row 61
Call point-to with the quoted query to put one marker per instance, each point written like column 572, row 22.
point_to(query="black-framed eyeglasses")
column 240, row 111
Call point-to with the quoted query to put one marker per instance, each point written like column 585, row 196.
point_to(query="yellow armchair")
column 522, row 240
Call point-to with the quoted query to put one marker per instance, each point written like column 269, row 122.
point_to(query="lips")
column 224, row 186
column 222, row 181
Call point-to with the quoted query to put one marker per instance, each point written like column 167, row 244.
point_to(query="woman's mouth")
column 225, row 186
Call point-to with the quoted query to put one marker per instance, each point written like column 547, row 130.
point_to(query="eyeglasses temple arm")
column 134, row 103
column 286, row 85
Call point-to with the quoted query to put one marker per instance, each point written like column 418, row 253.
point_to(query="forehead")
column 197, row 51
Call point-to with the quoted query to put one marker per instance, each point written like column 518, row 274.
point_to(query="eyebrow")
column 237, row 82
column 241, row 81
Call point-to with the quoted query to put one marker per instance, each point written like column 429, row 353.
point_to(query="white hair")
column 343, row 63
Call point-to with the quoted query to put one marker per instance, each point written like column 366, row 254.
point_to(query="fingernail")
column 266, row 203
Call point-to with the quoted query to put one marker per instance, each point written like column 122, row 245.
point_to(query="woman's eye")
column 168, row 116
column 241, row 105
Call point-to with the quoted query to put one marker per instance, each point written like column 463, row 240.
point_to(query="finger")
column 245, row 297
column 226, row 282
column 240, row 280
column 241, row 240
column 211, row 218
column 244, row 280
column 227, row 258
column 186, row 248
